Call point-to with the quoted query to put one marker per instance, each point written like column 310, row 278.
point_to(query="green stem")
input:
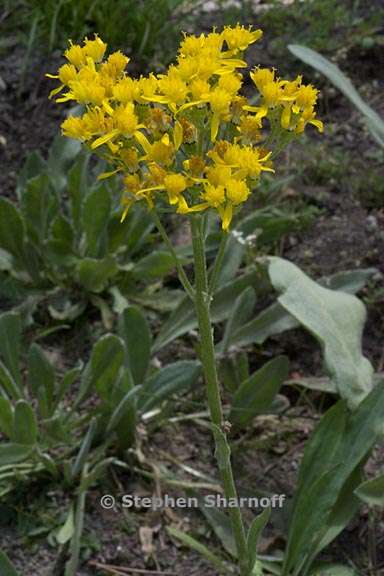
column 182, row 275
column 214, row 277
column 202, row 303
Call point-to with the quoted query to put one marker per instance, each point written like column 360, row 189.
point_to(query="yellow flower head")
column 95, row 49
column 174, row 184
column 239, row 38
column 76, row 55
column 160, row 131
column 214, row 195
column 237, row 191
column 67, row 73
column 115, row 65
column 75, row 127
column 306, row 96
column 125, row 120
column 126, row 90
column 262, row 76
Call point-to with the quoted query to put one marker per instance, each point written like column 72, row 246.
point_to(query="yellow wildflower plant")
column 187, row 137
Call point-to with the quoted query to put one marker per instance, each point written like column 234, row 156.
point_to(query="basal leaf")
column 335, row 318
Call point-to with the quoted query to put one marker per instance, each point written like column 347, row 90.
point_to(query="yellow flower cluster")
column 187, row 137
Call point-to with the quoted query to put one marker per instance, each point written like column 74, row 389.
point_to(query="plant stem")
column 202, row 303
column 181, row 272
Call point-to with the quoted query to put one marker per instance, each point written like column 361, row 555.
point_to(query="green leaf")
column 41, row 374
column 134, row 330
column 62, row 232
column 68, row 379
column 200, row 548
column 123, row 409
column 222, row 449
column 242, row 310
column 221, row 525
column 66, row 531
column 25, row 424
column 103, row 368
column 8, row 383
column 255, row 395
column 97, row 208
column 33, row 166
column 12, row 232
column 342, row 513
column 6, row 417
column 255, row 530
column 153, row 265
column 77, row 189
column 372, row 491
column 82, row 455
column 40, row 206
column 126, row 428
column 10, row 340
column 183, row 319
column 336, row 319
column 6, row 568
column 61, row 154
column 94, row 275
column 333, row 570
column 340, row 443
column 275, row 319
column 340, row 80
column 172, row 379
column 13, row 453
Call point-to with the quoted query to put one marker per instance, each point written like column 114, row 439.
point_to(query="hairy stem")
column 202, row 304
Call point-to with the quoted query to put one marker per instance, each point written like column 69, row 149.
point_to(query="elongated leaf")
column 82, row 455
column 61, row 154
column 333, row 570
column 65, row 533
column 33, row 166
column 174, row 378
column 242, row 310
column 372, row 491
column 183, row 319
column 68, row 379
column 12, row 232
column 255, row 395
column 8, row 383
column 339, row 444
column 103, row 368
column 134, row 330
column 41, row 374
column 221, row 525
column 275, row 319
column 254, row 533
column 40, row 207
column 200, row 548
column 10, row 340
column 14, row 453
column 97, row 208
column 77, row 190
column 6, row 417
column 158, row 263
column 122, row 409
column 25, row 424
column 346, row 506
column 340, row 80
column 6, row 568
column 336, row 319
column 94, row 274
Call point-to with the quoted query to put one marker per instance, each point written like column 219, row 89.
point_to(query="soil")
column 347, row 234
